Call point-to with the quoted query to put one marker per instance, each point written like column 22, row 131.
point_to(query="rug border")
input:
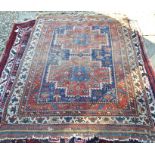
column 10, row 41
column 147, row 63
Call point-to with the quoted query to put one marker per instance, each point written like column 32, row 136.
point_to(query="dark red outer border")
column 148, row 65
column 10, row 42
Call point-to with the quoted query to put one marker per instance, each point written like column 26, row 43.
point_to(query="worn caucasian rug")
column 76, row 76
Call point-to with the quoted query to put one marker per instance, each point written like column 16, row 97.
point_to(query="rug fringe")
column 71, row 139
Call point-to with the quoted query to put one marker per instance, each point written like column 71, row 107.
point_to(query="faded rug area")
column 77, row 76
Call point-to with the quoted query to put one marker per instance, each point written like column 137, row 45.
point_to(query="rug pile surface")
column 76, row 75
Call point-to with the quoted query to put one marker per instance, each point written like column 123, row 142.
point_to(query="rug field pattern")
column 81, row 75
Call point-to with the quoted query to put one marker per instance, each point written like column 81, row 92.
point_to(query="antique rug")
column 77, row 76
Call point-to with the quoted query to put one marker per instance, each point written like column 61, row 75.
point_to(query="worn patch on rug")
column 76, row 75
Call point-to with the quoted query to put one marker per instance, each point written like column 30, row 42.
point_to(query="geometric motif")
column 79, row 65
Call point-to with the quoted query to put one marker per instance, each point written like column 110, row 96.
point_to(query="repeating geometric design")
column 79, row 63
